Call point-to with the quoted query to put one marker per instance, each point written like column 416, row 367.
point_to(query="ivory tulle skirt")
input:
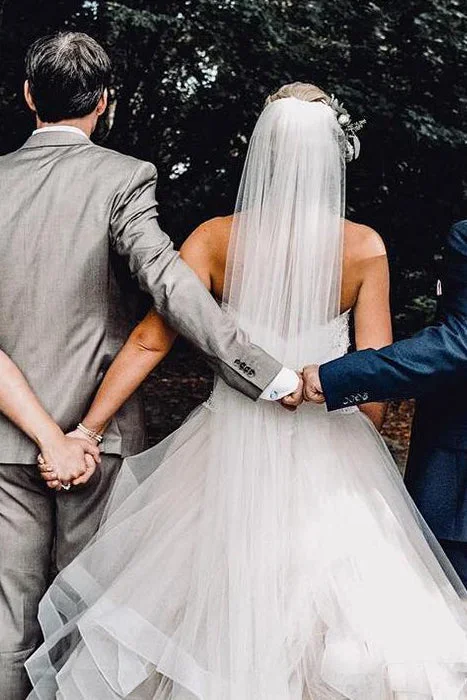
column 257, row 555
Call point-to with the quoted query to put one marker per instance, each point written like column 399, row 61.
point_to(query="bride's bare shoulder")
column 205, row 250
column 211, row 237
column 362, row 242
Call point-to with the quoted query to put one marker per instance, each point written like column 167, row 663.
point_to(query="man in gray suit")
column 67, row 205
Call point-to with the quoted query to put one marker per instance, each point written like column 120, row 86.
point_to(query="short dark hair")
column 67, row 74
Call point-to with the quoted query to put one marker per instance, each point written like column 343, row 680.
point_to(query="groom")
column 432, row 367
column 67, row 206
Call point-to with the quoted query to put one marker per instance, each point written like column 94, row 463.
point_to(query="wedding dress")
column 257, row 554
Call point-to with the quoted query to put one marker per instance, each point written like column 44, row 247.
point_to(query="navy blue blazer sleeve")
column 425, row 364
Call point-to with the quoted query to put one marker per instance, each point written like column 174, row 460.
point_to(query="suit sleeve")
column 177, row 292
column 427, row 364
column 424, row 364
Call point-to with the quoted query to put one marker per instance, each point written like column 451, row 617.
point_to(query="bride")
column 259, row 554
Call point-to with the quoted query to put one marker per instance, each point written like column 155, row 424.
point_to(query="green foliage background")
column 191, row 76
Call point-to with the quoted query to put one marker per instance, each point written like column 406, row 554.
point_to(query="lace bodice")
column 340, row 336
column 325, row 343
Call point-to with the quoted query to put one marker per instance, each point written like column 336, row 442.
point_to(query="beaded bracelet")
column 92, row 434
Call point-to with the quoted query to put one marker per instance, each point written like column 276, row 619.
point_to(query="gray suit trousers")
column 41, row 531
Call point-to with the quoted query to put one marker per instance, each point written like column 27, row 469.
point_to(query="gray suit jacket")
column 66, row 206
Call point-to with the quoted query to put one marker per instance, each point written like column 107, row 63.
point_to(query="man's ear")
column 102, row 104
column 28, row 97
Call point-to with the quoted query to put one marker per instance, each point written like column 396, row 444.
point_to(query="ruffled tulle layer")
column 289, row 566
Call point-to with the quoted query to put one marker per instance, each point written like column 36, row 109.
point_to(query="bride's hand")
column 67, row 460
column 91, row 462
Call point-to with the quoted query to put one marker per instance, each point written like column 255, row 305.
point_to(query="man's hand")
column 293, row 401
column 312, row 389
column 68, row 460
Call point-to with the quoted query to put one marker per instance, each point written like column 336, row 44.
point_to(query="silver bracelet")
column 92, row 434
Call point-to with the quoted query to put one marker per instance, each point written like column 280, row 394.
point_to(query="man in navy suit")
column 431, row 367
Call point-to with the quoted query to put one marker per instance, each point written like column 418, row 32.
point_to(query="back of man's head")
column 67, row 73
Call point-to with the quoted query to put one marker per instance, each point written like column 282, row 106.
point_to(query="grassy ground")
column 184, row 381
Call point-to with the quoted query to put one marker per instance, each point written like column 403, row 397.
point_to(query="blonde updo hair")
column 301, row 91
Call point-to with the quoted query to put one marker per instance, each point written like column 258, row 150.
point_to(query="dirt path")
column 396, row 430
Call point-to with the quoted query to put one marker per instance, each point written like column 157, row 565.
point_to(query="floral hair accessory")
column 350, row 129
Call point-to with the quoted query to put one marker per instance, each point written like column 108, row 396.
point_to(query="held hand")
column 90, row 461
column 312, row 389
column 67, row 460
column 293, row 401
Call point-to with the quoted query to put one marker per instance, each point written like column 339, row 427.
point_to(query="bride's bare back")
column 364, row 256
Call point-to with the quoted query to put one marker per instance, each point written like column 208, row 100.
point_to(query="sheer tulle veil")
column 283, row 276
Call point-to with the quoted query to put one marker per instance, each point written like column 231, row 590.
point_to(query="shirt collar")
column 60, row 127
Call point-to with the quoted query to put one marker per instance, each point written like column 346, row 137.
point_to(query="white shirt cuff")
column 283, row 384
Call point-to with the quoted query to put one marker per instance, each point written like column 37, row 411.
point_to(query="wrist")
column 94, row 424
column 47, row 436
